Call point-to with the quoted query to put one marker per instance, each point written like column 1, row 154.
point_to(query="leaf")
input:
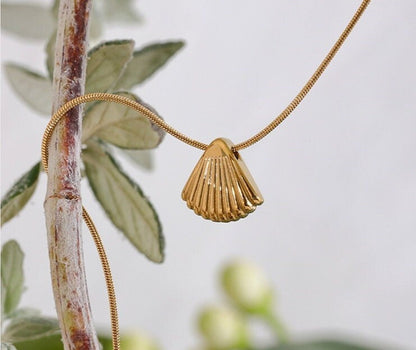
column 145, row 62
column 53, row 342
column 7, row 346
column 121, row 11
column 24, row 312
column 50, row 54
column 17, row 197
column 30, row 328
column 106, row 64
column 124, row 202
column 29, row 21
column 33, row 88
column 144, row 158
column 96, row 25
column 11, row 276
column 120, row 125
column 323, row 344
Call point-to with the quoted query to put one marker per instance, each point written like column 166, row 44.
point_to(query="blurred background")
column 337, row 231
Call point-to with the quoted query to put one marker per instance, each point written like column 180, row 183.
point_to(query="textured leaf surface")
column 145, row 62
column 27, row 20
column 17, row 197
column 12, row 277
column 29, row 328
column 106, row 64
column 33, row 88
column 124, row 202
column 121, row 125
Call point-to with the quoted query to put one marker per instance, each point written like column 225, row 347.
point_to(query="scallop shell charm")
column 221, row 188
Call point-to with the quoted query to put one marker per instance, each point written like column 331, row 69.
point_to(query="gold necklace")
column 220, row 188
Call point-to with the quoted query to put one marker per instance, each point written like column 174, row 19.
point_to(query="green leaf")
column 7, row 346
column 145, row 62
column 53, row 342
column 106, row 64
column 17, row 197
column 29, row 21
column 121, row 11
column 324, row 344
column 30, row 328
column 120, row 125
column 11, row 276
column 33, row 88
column 96, row 25
column 124, row 202
column 143, row 158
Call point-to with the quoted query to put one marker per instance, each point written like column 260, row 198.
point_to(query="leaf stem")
column 277, row 326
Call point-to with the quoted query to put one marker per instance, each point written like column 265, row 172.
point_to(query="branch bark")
column 63, row 204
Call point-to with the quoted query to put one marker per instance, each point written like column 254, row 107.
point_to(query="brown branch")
column 63, row 204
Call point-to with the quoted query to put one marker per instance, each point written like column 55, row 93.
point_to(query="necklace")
column 220, row 187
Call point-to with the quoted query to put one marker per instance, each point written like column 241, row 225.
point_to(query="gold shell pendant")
column 221, row 188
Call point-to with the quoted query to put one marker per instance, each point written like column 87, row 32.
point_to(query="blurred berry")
column 247, row 287
column 136, row 340
column 223, row 328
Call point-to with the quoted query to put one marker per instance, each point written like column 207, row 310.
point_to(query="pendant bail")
column 221, row 187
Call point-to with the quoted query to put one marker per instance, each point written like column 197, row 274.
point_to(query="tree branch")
column 63, row 204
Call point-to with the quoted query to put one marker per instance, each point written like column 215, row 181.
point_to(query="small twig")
column 63, row 203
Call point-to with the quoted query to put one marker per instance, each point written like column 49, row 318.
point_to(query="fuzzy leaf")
column 19, row 194
column 145, row 62
column 33, row 88
column 143, row 158
column 123, row 201
column 121, row 125
column 30, row 328
column 7, row 346
column 12, row 277
column 106, row 63
column 27, row 20
column 121, row 11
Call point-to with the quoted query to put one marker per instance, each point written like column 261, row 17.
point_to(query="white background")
column 337, row 232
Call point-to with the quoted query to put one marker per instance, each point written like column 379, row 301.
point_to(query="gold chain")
column 195, row 143
column 112, row 300
column 163, row 125
column 310, row 83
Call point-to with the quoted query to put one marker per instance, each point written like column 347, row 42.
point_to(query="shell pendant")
column 221, row 188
